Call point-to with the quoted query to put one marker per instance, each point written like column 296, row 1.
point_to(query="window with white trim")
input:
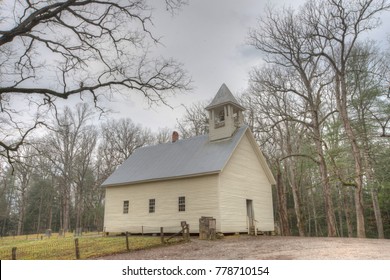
column 182, row 203
column 125, row 207
column 152, row 205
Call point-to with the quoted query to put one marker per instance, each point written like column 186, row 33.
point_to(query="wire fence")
column 145, row 229
column 85, row 246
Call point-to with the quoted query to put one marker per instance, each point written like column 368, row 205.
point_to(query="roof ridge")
column 170, row 142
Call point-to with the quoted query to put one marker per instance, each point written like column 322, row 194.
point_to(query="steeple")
column 225, row 115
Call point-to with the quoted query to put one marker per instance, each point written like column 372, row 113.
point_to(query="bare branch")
column 52, row 50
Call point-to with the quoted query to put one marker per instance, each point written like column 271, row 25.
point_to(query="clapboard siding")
column 244, row 178
column 201, row 200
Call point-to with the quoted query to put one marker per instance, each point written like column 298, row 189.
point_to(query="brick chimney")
column 175, row 136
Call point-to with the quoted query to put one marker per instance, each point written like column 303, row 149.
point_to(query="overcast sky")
column 209, row 38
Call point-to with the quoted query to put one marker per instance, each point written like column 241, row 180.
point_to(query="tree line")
column 322, row 100
column 55, row 181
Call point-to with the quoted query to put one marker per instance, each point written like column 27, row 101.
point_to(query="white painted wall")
column 244, row 178
column 201, row 200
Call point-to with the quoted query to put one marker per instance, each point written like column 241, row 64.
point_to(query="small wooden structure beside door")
column 250, row 217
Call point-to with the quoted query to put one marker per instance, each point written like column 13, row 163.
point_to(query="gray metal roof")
column 187, row 157
column 224, row 96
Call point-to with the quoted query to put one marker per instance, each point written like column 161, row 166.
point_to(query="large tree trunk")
column 49, row 224
column 297, row 206
column 294, row 185
column 341, row 93
column 347, row 211
column 66, row 212
column 374, row 196
column 282, row 204
column 297, row 202
column 314, row 106
column 79, row 208
column 39, row 214
column 371, row 179
column 377, row 212
column 329, row 209
column 315, row 216
column 22, row 211
column 340, row 207
column 66, row 199
column 61, row 215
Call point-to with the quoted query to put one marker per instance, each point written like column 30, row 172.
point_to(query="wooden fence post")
column 188, row 232
column 162, row 234
column 76, row 243
column 127, row 241
column 14, row 253
column 183, row 229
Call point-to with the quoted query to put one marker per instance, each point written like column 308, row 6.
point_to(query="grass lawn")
column 33, row 247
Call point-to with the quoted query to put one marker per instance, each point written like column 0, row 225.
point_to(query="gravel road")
column 266, row 248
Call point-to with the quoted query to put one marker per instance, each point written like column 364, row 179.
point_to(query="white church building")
column 223, row 175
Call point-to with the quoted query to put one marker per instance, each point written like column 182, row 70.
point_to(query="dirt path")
column 267, row 248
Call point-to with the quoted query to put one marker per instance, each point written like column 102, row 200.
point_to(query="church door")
column 250, row 216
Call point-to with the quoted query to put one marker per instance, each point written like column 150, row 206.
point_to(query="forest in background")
column 319, row 107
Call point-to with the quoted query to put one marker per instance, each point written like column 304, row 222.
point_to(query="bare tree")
column 317, row 41
column 334, row 28
column 281, row 36
column 367, row 70
column 119, row 139
column 163, row 135
column 23, row 174
column 52, row 50
column 195, row 120
column 83, row 172
column 64, row 147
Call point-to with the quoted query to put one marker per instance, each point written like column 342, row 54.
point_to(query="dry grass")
column 33, row 247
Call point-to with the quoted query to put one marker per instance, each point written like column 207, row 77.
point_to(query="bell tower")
column 225, row 115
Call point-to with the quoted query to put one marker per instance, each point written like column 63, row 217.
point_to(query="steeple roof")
column 224, row 96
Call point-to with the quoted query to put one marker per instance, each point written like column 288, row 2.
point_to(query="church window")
column 152, row 205
column 182, row 203
column 125, row 207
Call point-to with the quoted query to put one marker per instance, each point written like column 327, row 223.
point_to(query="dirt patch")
column 266, row 248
